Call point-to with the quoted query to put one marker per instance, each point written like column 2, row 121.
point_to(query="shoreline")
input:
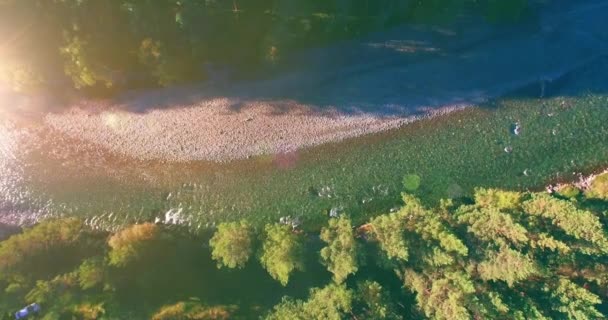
column 214, row 130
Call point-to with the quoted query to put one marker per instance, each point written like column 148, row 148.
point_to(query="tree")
column 340, row 254
column 288, row 309
column 441, row 296
column 499, row 199
column 91, row 273
column 507, row 265
column 572, row 301
column 232, row 244
column 129, row 244
column 488, row 224
column 190, row 310
column 329, row 303
column 388, row 230
column 375, row 302
column 282, row 252
column 48, row 241
column 430, row 226
column 598, row 189
column 579, row 224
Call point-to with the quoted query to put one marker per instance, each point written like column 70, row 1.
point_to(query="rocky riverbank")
column 216, row 130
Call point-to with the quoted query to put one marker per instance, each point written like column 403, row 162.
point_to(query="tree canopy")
column 232, row 244
column 282, row 252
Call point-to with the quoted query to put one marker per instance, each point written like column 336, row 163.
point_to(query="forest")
column 104, row 47
column 495, row 255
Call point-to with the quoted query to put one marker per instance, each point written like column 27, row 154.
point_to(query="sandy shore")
column 215, row 130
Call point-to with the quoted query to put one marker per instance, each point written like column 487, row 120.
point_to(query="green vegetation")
column 599, row 187
column 118, row 44
column 569, row 191
column 232, row 244
column 191, row 311
column 497, row 254
column 340, row 254
column 282, row 252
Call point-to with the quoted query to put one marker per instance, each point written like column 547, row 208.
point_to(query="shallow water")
column 44, row 173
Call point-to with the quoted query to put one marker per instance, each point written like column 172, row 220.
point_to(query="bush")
column 128, row 244
column 191, row 311
column 568, row 191
column 497, row 198
column 598, row 188
column 232, row 244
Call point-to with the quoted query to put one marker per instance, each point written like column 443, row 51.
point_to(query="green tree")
column 282, row 252
column 497, row 198
column 572, row 301
column 388, row 230
column 232, row 244
column 507, row 265
column 332, row 302
column 598, row 189
column 441, row 295
column 579, row 224
column 490, row 225
column 91, row 273
column 191, row 310
column 375, row 302
column 340, row 254
column 48, row 241
column 131, row 243
column 430, row 226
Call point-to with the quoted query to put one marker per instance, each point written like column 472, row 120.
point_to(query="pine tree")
column 388, row 230
column 507, row 265
column 282, row 252
column 340, row 254
column 490, row 225
column 579, row 224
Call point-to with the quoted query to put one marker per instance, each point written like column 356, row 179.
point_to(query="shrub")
column 127, row 245
column 231, row 245
column 598, row 188
column 568, row 191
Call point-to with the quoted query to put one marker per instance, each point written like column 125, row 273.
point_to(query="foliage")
column 328, row 303
column 429, row 225
column 232, row 244
column 191, row 311
column 441, row 296
column 579, row 224
column 569, row 191
column 282, row 252
column 340, row 254
column 101, row 39
column 573, row 301
column 91, row 273
column 598, row 188
column 507, row 265
column 497, row 198
column 40, row 244
column 489, row 224
column 129, row 244
column 388, row 231
column 542, row 258
column 376, row 303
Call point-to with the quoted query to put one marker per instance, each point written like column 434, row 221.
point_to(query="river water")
column 44, row 173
